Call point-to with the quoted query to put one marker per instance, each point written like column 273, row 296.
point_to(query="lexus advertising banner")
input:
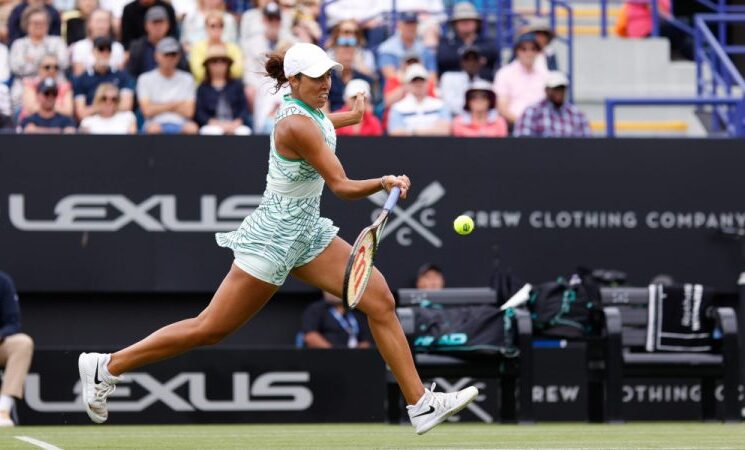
column 218, row 386
column 134, row 214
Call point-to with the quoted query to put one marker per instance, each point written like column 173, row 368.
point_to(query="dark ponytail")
column 275, row 69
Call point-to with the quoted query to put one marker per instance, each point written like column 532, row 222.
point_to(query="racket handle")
column 392, row 198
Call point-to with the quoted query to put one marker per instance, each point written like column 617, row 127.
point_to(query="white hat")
column 356, row 86
column 556, row 79
column 415, row 71
column 308, row 59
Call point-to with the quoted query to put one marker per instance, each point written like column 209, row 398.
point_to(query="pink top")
column 639, row 17
column 495, row 126
column 522, row 87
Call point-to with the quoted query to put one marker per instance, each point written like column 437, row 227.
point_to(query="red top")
column 370, row 126
column 495, row 126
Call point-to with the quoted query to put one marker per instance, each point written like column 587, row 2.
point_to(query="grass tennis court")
column 647, row 435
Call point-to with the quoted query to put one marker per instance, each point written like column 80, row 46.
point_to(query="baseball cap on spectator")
column 556, row 79
column 526, row 37
column 481, row 86
column 538, row 25
column 308, row 59
column 411, row 55
column 415, row 71
column 102, row 43
column 407, row 17
column 464, row 11
column 168, row 45
column 469, row 50
column 156, row 13
column 426, row 267
column 47, row 85
column 356, row 86
column 272, row 10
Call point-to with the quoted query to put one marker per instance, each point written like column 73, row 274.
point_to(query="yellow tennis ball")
column 463, row 225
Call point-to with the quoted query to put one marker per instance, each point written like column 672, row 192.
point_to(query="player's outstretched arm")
column 298, row 137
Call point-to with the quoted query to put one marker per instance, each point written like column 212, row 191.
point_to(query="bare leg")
column 326, row 272
column 238, row 298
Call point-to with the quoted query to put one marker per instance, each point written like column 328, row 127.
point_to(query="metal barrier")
column 568, row 39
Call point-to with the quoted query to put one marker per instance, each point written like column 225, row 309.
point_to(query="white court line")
column 38, row 443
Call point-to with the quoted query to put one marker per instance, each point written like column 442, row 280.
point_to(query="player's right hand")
column 400, row 181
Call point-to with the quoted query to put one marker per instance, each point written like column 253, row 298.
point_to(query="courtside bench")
column 625, row 317
column 515, row 374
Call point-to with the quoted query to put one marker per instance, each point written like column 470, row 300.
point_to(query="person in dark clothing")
column 142, row 49
column 134, row 17
column 16, row 31
column 221, row 102
column 16, row 350
column 326, row 324
column 465, row 31
column 47, row 120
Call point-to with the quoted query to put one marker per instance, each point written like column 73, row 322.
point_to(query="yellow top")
column 199, row 52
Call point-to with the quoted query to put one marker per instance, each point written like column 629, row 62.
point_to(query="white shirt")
column 119, row 123
column 410, row 114
column 4, row 64
column 81, row 52
column 156, row 88
column 115, row 7
column 354, row 9
column 453, row 87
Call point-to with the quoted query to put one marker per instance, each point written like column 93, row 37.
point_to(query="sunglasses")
column 50, row 67
column 219, row 60
column 216, row 25
column 112, row 99
column 103, row 49
column 171, row 54
column 346, row 41
column 49, row 94
column 527, row 48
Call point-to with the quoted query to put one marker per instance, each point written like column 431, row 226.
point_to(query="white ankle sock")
column 107, row 376
column 6, row 403
column 419, row 402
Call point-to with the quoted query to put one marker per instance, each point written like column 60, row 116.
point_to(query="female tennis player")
column 286, row 235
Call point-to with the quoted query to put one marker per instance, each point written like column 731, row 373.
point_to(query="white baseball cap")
column 356, row 86
column 415, row 71
column 309, row 60
column 556, row 79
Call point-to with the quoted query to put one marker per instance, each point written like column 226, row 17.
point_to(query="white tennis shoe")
column 97, row 384
column 434, row 407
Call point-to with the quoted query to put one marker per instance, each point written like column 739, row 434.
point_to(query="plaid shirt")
column 545, row 120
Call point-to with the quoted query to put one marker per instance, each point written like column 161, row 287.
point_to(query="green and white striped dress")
column 286, row 230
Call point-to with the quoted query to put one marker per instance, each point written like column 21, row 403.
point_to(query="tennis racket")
column 360, row 263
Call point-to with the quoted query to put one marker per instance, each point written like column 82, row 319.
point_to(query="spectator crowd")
column 196, row 66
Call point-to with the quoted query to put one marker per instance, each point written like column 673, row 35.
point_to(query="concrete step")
column 646, row 120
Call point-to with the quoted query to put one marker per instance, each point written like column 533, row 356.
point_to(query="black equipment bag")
column 464, row 331
column 566, row 307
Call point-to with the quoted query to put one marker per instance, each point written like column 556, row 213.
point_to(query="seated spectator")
column 305, row 28
column 215, row 24
column 520, row 83
column 392, row 50
column 134, row 20
column 4, row 64
column 480, row 118
column 221, row 102
column 142, row 49
column 17, row 28
column 48, row 68
column 86, row 85
column 258, row 89
column 395, row 88
column 453, row 85
column 465, row 31
column 345, row 51
column 544, row 35
column 76, row 21
column 6, row 119
column 347, row 32
column 108, row 117
column 16, row 350
column 327, row 324
column 46, row 120
column 418, row 114
column 166, row 94
column 554, row 116
column 368, row 13
column 370, row 125
column 6, row 7
column 82, row 53
column 194, row 28
column 252, row 22
column 26, row 52
column 430, row 277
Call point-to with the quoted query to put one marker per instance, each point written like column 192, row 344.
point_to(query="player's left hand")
column 359, row 105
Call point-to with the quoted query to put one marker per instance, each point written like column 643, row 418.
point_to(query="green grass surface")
column 681, row 435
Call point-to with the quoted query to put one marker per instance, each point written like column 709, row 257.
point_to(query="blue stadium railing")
column 724, row 92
